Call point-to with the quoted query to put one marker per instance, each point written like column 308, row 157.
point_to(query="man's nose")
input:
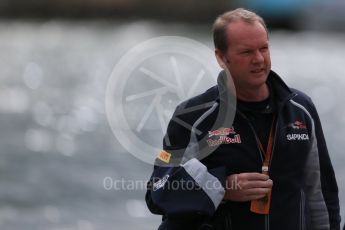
column 258, row 57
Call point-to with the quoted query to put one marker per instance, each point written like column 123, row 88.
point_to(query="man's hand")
column 247, row 186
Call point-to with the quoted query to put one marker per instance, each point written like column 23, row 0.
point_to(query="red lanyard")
column 268, row 151
column 262, row 206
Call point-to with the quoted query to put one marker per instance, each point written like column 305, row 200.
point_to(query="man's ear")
column 221, row 59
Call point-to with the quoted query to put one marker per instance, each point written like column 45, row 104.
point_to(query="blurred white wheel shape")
column 146, row 85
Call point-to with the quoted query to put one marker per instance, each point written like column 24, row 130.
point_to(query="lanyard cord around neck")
column 268, row 152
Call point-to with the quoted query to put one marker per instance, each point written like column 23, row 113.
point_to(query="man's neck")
column 259, row 94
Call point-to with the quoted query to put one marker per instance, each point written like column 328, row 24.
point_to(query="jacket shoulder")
column 304, row 100
column 204, row 98
column 186, row 113
column 301, row 96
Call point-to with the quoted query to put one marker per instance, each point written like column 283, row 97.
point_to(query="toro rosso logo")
column 297, row 125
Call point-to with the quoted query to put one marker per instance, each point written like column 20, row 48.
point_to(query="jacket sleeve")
column 175, row 142
column 197, row 202
column 322, row 165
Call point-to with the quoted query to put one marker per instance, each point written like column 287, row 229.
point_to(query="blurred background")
column 56, row 146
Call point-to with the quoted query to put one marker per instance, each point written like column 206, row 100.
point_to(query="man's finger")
column 257, row 184
column 257, row 191
column 254, row 197
column 252, row 176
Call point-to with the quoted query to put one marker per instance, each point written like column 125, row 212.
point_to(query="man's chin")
column 261, row 74
column 258, row 79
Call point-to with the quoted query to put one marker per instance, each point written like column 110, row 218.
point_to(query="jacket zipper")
column 228, row 224
column 302, row 209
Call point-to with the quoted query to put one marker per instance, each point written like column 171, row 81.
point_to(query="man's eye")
column 246, row 52
column 264, row 48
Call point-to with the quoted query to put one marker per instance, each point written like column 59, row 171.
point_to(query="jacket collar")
column 281, row 91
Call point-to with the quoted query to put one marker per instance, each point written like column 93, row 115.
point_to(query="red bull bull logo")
column 221, row 132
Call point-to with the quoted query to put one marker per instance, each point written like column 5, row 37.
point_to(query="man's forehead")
column 251, row 44
column 246, row 34
column 244, row 29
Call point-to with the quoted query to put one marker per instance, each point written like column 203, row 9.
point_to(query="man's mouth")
column 258, row 70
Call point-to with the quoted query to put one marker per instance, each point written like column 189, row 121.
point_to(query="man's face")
column 248, row 56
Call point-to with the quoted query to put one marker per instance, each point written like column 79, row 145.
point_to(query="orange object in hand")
column 262, row 206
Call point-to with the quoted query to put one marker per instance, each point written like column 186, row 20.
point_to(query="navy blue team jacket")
column 200, row 149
